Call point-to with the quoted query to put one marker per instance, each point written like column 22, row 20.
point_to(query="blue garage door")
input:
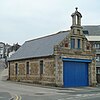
column 75, row 74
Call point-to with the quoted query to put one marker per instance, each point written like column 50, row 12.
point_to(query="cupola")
column 76, row 27
column 76, row 18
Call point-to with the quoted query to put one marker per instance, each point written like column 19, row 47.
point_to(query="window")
column 16, row 68
column 72, row 43
column 41, row 67
column 97, row 45
column 1, row 52
column 88, row 47
column 97, row 58
column 77, row 19
column 78, row 43
column 66, row 44
column 98, row 70
column 27, row 67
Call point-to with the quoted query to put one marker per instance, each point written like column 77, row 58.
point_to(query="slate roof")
column 39, row 47
column 92, row 29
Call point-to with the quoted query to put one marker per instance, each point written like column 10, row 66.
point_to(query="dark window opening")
column 41, row 67
column 78, row 43
column 66, row 44
column 16, row 68
column 85, row 32
column 27, row 67
column 88, row 47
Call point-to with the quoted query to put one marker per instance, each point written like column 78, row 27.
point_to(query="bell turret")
column 76, row 22
column 76, row 18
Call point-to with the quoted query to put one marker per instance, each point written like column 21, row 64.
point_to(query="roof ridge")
column 47, row 36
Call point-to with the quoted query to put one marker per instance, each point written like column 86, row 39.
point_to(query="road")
column 19, row 91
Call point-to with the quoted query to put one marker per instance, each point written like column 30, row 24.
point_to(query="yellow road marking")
column 18, row 97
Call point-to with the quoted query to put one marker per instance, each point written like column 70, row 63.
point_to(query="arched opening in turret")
column 77, row 20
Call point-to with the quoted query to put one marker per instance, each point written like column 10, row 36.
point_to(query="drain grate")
column 62, row 92
column 65, row 91
column 39, row 93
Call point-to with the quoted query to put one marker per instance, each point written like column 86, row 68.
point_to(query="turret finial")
column 76, row 8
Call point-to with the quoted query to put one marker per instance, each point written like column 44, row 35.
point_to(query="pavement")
column 60, row 89
column 3, row 73
column 29, row 91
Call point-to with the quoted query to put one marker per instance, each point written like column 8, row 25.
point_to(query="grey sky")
column 22, row 20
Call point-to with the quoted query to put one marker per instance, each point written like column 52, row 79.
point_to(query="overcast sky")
column 22, row 20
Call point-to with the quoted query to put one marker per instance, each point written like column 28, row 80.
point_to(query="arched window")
column 77, row 20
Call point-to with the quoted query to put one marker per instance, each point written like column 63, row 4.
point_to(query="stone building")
column 92, row 33
column 12, row 49
column 95, row 42
column 63, row 59
column 2, row 50
column 6, row 50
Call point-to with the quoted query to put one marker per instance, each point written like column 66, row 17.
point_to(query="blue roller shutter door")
column 75, row 74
